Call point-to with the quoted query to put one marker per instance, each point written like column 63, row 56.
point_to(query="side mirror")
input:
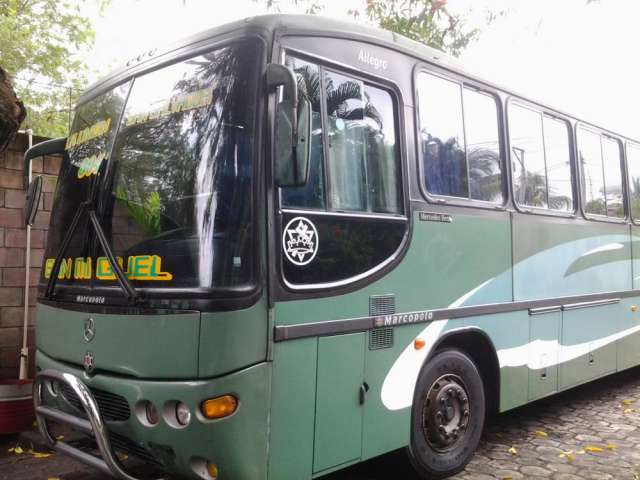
column 292, row 129
column 48, row 147
column 33, row 200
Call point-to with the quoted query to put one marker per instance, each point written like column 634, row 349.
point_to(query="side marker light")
column 419, row 343
column 219, row 407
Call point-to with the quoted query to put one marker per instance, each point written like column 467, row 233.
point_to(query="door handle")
column 362, row 394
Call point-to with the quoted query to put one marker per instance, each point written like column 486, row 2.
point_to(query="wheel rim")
column 445, row 413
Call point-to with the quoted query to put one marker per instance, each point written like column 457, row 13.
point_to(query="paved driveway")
column 591, row 432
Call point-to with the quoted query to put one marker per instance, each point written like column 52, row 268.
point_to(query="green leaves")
column 39, row 45
column 146, row 215
column 426, row 21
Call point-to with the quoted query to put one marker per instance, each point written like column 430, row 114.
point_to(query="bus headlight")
column 219, row 407
column 183, row 414
column 151, row 412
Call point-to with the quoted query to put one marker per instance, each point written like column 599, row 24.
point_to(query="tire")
column 443, row 436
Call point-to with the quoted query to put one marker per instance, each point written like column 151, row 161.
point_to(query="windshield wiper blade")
column 131, row 293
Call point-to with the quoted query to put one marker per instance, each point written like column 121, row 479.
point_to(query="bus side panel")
column 466, row 262
column 564, row 257
column 232, row 340
column 628, row 346
column 293, row 409
column 509, row 333
column 576, row 257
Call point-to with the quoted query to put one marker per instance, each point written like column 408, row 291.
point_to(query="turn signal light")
column 219, row 407
column 212, row 470
column 419, row 343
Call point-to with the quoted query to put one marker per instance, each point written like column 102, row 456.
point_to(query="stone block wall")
column 13, row 249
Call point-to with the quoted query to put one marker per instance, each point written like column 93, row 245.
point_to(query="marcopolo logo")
column 300, row 241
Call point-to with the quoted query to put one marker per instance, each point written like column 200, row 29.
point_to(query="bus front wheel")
column 447, row 416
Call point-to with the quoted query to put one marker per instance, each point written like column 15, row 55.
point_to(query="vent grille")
column 113, row 407
column 124, row 444
column 381, row 338
column 382, row 305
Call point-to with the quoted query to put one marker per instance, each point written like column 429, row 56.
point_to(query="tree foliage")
column 12, row 111
column 426, row 21
column 39, row 43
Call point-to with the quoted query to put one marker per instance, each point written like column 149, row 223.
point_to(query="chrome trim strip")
column 109, row 462
column 346, row 281
column 324, row 213
column 543, row 310
column 347, row 325
column 596, row 303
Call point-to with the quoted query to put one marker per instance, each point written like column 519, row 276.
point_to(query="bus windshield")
column 168, row 160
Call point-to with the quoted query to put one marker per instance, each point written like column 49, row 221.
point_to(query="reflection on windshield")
column 183, row 169
column 175, row 202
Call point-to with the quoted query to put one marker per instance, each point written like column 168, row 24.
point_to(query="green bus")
column 290, row 244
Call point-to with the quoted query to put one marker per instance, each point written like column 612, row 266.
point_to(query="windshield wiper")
column 87, row 207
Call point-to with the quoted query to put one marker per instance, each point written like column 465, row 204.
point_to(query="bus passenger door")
column 544, row 352
column 338, row 428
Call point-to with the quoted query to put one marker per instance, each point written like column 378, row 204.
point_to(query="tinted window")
column 558, row 160
column 94, row 127
column 540, row 160
column 633, row 166
column 355, row 169
column 527, row 157
column 483, row 146
column 362, row 163
column 312, row 194
column 180, row 203
column 460, row 154
column 442, row 136
column 611, row 156
column 601, row 169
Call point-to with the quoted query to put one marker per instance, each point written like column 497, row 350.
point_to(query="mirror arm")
column 49, row 147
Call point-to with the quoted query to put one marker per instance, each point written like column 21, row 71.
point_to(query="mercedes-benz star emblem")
column 88, row 362
column 89, row 329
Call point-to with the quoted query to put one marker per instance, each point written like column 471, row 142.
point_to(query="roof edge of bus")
column 287, row 24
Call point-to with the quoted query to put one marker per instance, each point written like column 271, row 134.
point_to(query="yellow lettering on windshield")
column 83, row 136
column 139, row 267
column 180, row 103
column 90, row 165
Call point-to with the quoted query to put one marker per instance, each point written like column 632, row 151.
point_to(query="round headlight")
column 152, row 413
column 183, row 414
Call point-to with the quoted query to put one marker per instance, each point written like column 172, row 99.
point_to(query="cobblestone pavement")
column 591, row 432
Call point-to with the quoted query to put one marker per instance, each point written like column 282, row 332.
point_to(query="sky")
column 580, row 58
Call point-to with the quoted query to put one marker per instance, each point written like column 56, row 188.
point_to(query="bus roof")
column 306, row 25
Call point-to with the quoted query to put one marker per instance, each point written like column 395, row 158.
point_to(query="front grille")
column 128, row 446
column 113, row 407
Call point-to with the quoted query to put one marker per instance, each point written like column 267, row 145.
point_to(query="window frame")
column 628, row 144
column 623, row 172
column 382, row 83
column 544, row 112
column 478, row 87
column 288, row 290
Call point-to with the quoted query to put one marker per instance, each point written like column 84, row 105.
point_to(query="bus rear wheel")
column 447, row 415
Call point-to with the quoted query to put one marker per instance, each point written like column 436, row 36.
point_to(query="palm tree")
column 12, row 111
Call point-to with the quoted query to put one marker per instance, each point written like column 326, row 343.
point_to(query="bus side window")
column 460, row 152
column 540, row 160
column 601, row 174
column 362, row 166
column 633, row 166
column 311, row 195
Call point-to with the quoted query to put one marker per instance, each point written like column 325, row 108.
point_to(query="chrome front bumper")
column 108, row 462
